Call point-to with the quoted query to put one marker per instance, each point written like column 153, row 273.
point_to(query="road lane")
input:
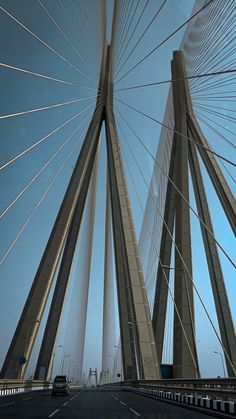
column 36, row 404
column 94, row 403
column 149, row 408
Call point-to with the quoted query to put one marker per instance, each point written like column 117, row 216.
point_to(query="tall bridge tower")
column 137, row 338
column 188, row 144
column 141, row 337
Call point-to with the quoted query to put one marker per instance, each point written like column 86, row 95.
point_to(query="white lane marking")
column 64, row 404
column 7, row 404
column 75, row 395
column 28, row 398
column 53, row 413
column 134, row 411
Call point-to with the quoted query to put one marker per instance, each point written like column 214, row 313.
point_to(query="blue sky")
column 78, row 72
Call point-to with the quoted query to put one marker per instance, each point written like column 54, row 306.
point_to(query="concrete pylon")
column 188, row 138
column 108, row 334
column 56, row 308
column 185, row 363
column 163, row 274
column 137, row 338
column 92, row 373
column 26, row 331
column 194, row 132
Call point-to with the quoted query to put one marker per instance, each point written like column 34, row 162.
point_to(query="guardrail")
column 211, row 387
column 8, row 387
column 212, row 394
column 196, row 402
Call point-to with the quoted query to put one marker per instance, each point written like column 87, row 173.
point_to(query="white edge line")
column 134, row 411
column 53, row 413
column 64, row 404
column 7, row 404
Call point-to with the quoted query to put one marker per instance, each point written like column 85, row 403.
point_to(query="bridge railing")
column 224, row 388
column 208, row 395
column 211, row 387
column 10, row 386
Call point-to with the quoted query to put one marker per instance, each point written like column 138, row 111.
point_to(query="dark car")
column 61, row 385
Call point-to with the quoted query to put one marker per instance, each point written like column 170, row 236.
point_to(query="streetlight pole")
column 53, row 358
column 62, row 366
column 75, row 376
column 187, row 291
column 24, row 357
column 137, row 353
column 107, row 372
column 71, row 362
column 27, row 335
column 119, row 347
column 223, row 365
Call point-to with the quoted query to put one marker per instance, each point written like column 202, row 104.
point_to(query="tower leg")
column 26, row 331
column 137, row 338
column 161, row 291
column 185, row 353
column 77, row 316
column 56, row 307
column 108, row 340
column 216, row 275
column 219, row 182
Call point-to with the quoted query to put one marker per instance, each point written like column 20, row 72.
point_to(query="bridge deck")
column 93, row 404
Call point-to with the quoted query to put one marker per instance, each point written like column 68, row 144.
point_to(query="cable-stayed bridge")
column 118, row 172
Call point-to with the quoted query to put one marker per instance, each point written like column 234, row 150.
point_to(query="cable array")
column 52, row 96
column 49, row 82
column 210, row 76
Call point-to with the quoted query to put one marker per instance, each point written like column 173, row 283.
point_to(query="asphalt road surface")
column 94, row 403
